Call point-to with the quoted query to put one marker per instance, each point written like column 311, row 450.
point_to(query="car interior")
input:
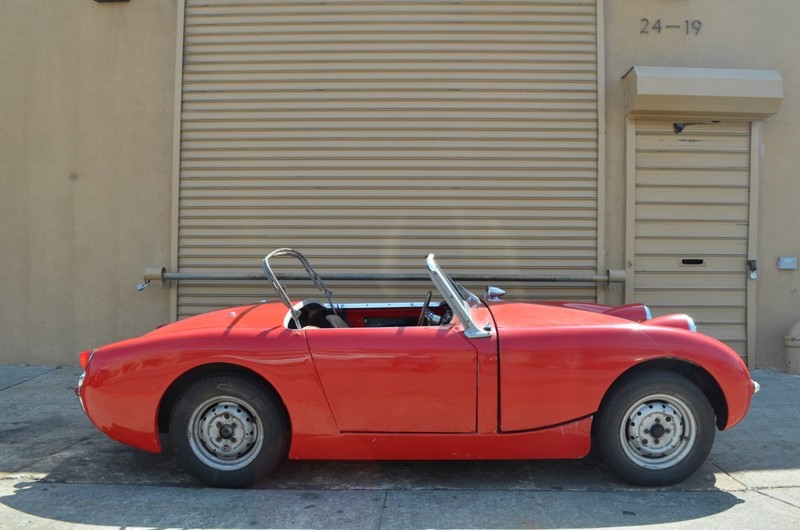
column 314, row 314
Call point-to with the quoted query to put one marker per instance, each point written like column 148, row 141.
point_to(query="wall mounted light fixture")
column 679, row 127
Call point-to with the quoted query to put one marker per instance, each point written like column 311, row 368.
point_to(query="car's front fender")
column 552, row 375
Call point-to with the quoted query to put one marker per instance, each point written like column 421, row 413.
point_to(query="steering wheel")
column 425, row 305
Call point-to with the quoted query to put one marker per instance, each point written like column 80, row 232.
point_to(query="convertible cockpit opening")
column 311, row 314
column 314, row 314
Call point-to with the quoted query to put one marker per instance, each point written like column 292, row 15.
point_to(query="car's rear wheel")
column 228, row 431
column 655, row 428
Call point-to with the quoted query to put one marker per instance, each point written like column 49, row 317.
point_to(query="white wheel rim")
column 225, row 433
column 658, row 432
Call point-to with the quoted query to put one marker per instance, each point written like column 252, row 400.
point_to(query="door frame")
column 752, row 236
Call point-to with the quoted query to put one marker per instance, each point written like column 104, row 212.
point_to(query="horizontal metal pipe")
column 610, row 277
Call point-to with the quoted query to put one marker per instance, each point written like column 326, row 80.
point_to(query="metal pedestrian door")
column 691, row 224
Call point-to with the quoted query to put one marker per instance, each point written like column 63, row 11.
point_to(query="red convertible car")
column 240, row 389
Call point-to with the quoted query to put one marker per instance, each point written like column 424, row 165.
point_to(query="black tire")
column 228, row 431
column 655, row 428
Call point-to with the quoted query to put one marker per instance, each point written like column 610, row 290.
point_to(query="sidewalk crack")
column 765, row 493
column 383, row 510
column 51, row 370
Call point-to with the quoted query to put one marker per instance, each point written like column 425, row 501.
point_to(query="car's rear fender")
column 297, row 388
column 130, row 387
column 197, row 373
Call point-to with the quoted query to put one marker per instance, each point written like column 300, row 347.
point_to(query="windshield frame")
column 459, row 298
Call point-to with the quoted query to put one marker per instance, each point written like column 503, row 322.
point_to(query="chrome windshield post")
column 456, row 299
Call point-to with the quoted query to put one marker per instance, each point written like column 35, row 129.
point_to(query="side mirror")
column 494, row 293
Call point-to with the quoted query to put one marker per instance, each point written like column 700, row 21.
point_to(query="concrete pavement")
column 58, row 471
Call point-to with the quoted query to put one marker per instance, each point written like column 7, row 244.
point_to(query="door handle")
column 752, row 269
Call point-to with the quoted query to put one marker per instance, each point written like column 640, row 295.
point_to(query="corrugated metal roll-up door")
column 366, row 134
column 692, row 220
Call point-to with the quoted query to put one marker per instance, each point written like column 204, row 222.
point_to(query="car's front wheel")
column 228, row 431
column 655, row 428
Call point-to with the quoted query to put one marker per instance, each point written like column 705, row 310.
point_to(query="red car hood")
column 256, row 315
column 521, row 314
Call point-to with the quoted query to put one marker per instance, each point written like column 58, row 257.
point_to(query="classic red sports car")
column 240, row 389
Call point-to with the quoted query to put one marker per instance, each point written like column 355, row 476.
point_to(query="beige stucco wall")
column 86, row 118
column 86, row 143
column 734, row 34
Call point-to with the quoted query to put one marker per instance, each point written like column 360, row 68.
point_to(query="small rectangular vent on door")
column 693, row 262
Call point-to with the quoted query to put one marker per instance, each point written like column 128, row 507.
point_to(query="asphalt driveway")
column 58, row 471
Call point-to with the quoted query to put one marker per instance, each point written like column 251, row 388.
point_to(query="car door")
column 397, row 379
